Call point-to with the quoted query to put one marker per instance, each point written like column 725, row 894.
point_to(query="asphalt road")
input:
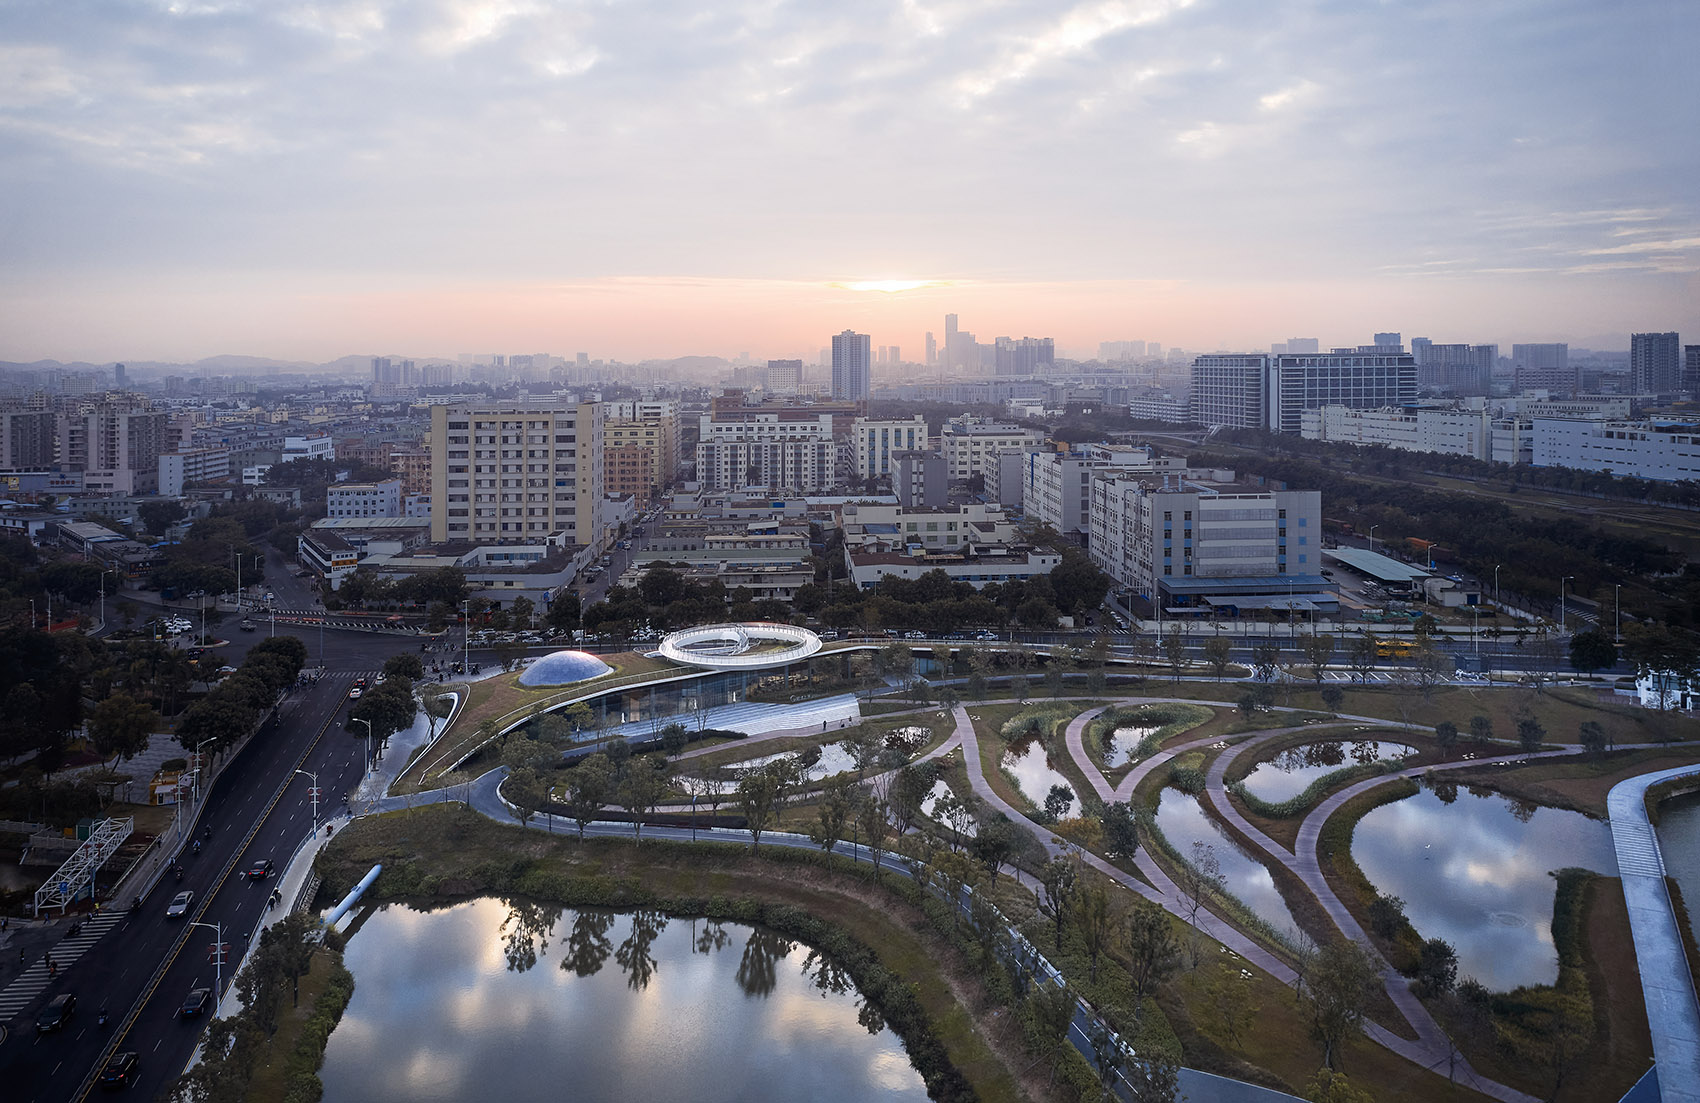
column 257, row 809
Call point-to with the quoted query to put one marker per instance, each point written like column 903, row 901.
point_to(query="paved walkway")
column 1673, row 1015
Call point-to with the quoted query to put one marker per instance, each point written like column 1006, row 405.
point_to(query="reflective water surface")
column 517, row 1001
column 1121, row 746
column 1473, row 867
column 1183, row 821
column 1679, row 843
column 1291, row 771
column 1027, row 763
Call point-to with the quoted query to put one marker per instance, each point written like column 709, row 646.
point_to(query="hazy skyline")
column 307, row 180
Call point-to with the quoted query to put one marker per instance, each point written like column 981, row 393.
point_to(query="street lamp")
column 1561, row 582
column 466, row 639
column 1617, row 612
column 103, row 575
column 313, row 793
column 1372, row 529
column 368, row 723
column 1496, row 585
column 218, row 959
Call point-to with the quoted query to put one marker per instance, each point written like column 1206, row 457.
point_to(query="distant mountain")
column 236, row 363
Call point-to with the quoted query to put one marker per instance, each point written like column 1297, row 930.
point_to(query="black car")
column 120, row 1072
column 57, row 1013
column 260, row 870
column 195, row 1004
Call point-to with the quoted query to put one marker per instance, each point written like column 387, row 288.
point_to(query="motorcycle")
column 177, row 872
column 196, row 849
column 100, row 1020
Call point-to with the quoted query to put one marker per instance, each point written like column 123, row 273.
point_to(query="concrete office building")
column 1268, row 391
column 850, row 366
column 970, row 444
column 1655, row 363
column 116, row 446
column 192, row 465
column 27, row 439
column 777, row 453
column 783, row 377
column 1471, row 431
column 343, row 500
column 877, row 440
column 1057, row 488
column 920, row 479
column 1027, row 356
column 1545, row 367
column 1203, row 549
column 517, row 472
column 1668, row 451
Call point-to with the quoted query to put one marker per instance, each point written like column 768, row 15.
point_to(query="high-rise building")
column 850, row 367
column 971, row 445
column 783, row 377
column 26, row 439
column 797, row 453
column 932, row 350
column 119, row 380
column 1691, row 370
column 1545, row 367
column 1028, row 356
column 1387, row 341
column 1303, row 345
column 879, row 440
column 640, row 447
column 1265, row 391
column 949, row 340
column 1654, row 364
column 517, row 472
column 116, row 446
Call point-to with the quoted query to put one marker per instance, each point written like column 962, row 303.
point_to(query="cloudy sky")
column 297, row 179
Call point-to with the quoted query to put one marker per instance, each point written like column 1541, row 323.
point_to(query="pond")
column 1291, row 771
column 1034, row 775
column 1183, row 821
column 938, row 792
column 835, row 758
column 1473, row 867
column 516, row 1001
column 1679, row 844
column 1121, row 746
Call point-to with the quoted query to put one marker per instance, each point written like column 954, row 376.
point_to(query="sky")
column 306, row 180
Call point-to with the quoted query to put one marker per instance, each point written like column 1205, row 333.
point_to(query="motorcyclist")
column 196, row 849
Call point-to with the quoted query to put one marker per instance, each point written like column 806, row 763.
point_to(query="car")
column 56, row 1014
column 196, row 1003
column 179, row 906
column 986, row 637
column 354, row 692
column 246, row 625
column 120, row 1072
column 914, row 634
column 260, row 870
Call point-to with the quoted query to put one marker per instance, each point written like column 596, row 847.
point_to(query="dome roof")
column 561, row 667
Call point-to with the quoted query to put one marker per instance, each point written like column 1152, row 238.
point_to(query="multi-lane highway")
column 142, row 967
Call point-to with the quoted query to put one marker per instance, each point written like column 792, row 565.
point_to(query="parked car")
column 56, row 1014
column 260, row 870
column 914, row 634
column 120, row 1072
column 196, row 1003
column 179, row 906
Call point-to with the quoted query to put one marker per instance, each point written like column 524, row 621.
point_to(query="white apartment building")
column 878, row 440
column 979, row 566
column 1057, row 486
column 792, row 454
column 970, row 443
column 517, row 472
column 364, row 499
column 1665, row 450
column 1454, row 431
column 319, row 446
column 1200, row 548
column 193, row 465
column 881, row 525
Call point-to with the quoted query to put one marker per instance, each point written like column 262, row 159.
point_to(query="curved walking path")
column 1673, row 1015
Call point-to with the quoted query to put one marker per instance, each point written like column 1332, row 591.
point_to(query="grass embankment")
column 1580, row 782
column 921, row 980
column 1170, row 721
column 288, row 1070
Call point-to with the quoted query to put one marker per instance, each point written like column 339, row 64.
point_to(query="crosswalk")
column 34, row 980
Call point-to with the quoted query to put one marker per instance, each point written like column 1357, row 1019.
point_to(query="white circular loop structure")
column 748, row 646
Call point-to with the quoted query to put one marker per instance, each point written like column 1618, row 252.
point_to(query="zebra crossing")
column 34, row 980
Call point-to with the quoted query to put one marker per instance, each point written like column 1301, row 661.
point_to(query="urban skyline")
column 301, row 181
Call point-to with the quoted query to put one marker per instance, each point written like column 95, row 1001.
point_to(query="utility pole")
column 103, row 575
column 313, row 793
column 218, row 959
column 368, row 724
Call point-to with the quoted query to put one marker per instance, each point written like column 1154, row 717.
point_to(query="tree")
column 1318, row 651
column 1332, row 698
column 1057, row 802
column 873, row 821
column 389, row 707
column 1328, row 1086
column 1266, row 659
column 1219, row 653
column 1387, row 916
column 994, row 844
column 120, row 725
column 588, row 787
column 674, row 740
column 525, row 789
column 1593, row 736
column 1362, row 656
column 1052, row 1010
column 509, row 652
column 564, row 612
column 1530, row 733
column 404, row 664
column 1058, row 882
column 127, row 612
column 1481, row 728
column 159, row 514
column 1437, row 967
column 1121, row 830
column 523, row 608
column 1095, row 921
column 1446, row 736
column 1336, row 993
column 837, row 805
column 1174, row 650
column 1592, row 650
column 1154, row 954
column 1198, row 880
column 642, row 789
column 758, row 799
column 1108, row 1057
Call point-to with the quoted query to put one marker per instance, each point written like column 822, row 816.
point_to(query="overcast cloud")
column 272, row 162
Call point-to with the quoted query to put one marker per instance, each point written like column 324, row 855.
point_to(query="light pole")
column 1561, row 582
column 1617, row 612
column 1372, row 529
column 313, row 794
column 466, row 639
column 200, row 767
column 1476, row 631
column 368, row 723
column 218, row 959
column 1496, row 585
column 103, row 575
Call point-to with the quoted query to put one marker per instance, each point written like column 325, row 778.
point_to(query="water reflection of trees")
column 526, row 932
column 711, row 936
column 757, row 969
column 1335, row 753
column 633, row 955
column 587, row 943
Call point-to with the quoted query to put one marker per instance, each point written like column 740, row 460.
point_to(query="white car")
column 179, row 906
